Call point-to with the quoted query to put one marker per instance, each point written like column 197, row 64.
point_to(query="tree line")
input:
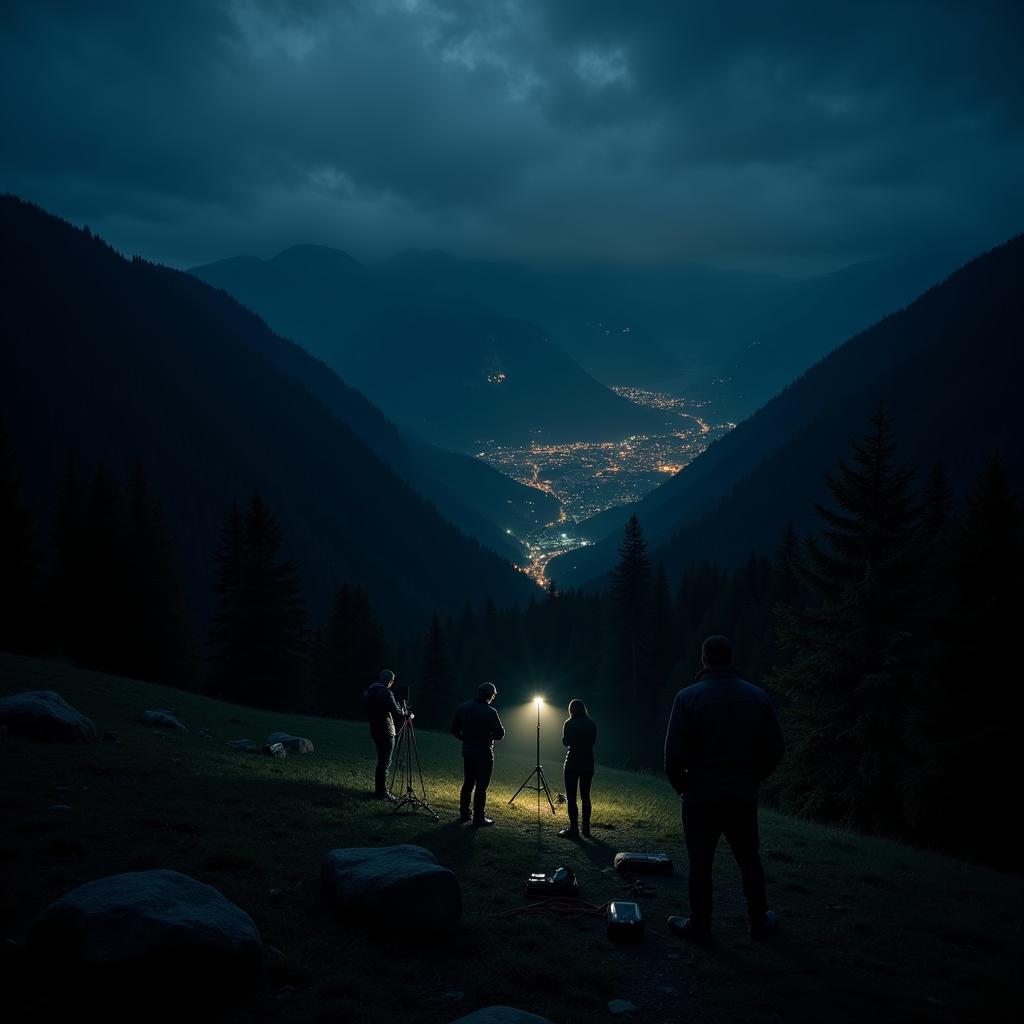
column 886, row 637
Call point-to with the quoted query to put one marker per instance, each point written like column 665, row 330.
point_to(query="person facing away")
column 380, row 705
column 579, row 734
column 723, row 739
column 477, row 724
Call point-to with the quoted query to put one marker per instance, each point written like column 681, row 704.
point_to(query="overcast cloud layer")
column 763, row 135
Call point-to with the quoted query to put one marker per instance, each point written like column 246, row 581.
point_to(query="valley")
column 588, row 477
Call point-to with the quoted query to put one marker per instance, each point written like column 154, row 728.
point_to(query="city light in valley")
column 588, row 477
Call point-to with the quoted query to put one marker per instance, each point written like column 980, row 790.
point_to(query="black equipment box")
column 562, row 883
column 644, row 863
column 625, row 922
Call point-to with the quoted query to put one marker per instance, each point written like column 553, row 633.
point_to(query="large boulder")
column 382, row 885
column 293, row 744
column 501, row 1015
column 146, row 922
column 44, row 715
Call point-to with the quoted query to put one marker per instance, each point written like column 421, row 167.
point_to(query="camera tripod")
column 542, row 783
column 406, row 753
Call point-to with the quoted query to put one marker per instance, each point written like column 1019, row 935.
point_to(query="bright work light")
column 538, row 772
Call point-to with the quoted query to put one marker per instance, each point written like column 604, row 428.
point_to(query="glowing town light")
column 538, row 701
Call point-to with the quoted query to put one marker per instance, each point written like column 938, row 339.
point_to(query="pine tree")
column 18, row 582
column 227, row 665
column 155, row 645
column 964, row 724
column 259, row 636
column 96, row 633
column 357, row 649
column 631, row 601
column 661, row 619
column 849, row 682
column 436, row 693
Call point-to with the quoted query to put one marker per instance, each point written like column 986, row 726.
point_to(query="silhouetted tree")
column 849, row 682
column 964, row 724
column 436, row 692
column 259, row 637
column 18, row 581
column 357, row 649
column 631, row 600
column 155, row 641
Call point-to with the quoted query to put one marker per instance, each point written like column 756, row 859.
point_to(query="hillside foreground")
column 870, row 928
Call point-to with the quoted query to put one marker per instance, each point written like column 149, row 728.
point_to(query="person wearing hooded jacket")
column 381, row 710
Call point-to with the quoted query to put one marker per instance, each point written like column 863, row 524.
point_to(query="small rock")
column 163, row 719
column 293, row 744
column 620, row 1006
column 274, row 750
column 59, row 808
column 245, row 745
column 501, row 1015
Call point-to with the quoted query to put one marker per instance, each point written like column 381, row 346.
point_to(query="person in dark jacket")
column 579, row 734
column 477, row 724
column 723, row 739
column 380, row 705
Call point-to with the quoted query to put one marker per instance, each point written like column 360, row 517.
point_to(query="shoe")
column 483, row 822
column 464, row 816
column 586, row 834
column 569, row 833
column 685, row 929
column 767, row 929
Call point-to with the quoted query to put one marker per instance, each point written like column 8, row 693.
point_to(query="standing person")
column 380, row 705
column 477, row 724
column 723, row 739
column 579, row 734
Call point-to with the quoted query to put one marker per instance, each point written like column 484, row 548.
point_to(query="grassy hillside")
column 872, row 929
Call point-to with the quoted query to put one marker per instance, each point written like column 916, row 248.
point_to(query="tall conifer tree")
column 259, row 635
column 632, row 599
column 18, row 582
column 849, row 682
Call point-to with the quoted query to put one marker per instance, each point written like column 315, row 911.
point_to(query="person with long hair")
column 579, row 734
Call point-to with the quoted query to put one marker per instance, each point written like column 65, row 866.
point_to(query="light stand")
column 406, row 752
column 541, row 783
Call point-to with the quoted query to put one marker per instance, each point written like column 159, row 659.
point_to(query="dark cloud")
column 748, row 134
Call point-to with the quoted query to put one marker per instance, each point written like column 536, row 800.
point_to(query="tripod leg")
column 524, row 785
column 396, row 758
column 547, row 790
column 419, row 769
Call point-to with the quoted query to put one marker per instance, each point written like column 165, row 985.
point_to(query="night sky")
column 792, row 137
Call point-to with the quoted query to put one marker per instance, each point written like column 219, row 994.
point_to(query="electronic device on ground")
column 643, row 863
column 625, row 922
column 562, row 882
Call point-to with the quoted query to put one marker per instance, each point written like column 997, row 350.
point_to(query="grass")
column 871, row 928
